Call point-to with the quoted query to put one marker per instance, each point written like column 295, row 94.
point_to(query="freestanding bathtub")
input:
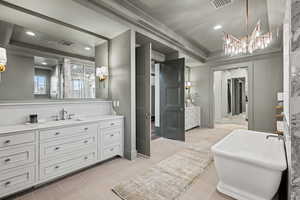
column 248, row 165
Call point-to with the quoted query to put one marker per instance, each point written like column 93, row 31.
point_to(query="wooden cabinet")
column 66, row 164
column 192, row 117
column 17, row 156
column 16, row 179
column 17, row 139
column 111, row 140
column 17, row 162
column 36, row 157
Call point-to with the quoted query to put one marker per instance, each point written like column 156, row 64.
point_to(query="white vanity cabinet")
column 192, row 117
column 111, row 139
column 65, row 149
column 17, row 161
column 29, row 158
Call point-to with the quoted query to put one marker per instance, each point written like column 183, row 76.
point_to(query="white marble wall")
column 11, row 114
column 295, row 99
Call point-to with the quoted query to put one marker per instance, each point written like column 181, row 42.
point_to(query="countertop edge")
column 11, row 129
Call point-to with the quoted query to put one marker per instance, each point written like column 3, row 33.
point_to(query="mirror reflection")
column 51, row 62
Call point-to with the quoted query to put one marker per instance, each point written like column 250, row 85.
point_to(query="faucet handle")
column 55, row 117
column 70, row 116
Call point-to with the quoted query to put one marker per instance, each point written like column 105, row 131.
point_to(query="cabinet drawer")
column 68, row 131
column 15, row 180
column 14, row 157
column 111, row 136
column 111, row 123
column 66, row 165
column 111, row 151
column 10, row 140
column 60, row 147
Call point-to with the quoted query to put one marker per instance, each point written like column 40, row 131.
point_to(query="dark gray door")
column 143, row 99
column 172, row 99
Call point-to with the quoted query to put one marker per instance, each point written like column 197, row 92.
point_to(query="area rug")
column 167, row 179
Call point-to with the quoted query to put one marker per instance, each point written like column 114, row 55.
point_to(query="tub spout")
column 280, row 137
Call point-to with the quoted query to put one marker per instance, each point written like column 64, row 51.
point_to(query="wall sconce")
column 102, row 73
column 188, row 85
column 3, row 60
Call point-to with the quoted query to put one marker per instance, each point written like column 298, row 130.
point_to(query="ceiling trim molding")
column 126, row 15
column 50, row 19
column 242, row 59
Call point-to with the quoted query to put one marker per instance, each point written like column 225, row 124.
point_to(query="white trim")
column 53, row 102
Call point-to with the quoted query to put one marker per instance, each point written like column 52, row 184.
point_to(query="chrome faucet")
column 280, row 137
column 64, row 114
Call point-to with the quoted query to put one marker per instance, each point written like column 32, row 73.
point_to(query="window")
column 80, row 81
column 77, row 85
column 40, row 85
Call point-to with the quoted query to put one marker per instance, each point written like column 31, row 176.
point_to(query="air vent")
column 220, row 3
column 66, row 43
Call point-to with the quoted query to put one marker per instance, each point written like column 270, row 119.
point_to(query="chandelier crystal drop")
column 248, row 44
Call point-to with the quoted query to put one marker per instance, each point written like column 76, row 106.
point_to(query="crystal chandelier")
column 248, row 44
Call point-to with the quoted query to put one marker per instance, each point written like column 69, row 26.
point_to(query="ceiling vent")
column 220, row 3
column 65, row 43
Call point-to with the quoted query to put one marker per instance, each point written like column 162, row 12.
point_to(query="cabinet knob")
column 86, row 128
column 6, row 141
column 112, row 135
column 7, row 160
column 56, row 148
column 57, row 133
column 7, row 183
column 85, row 141
column 112, row 124
column 56, row 167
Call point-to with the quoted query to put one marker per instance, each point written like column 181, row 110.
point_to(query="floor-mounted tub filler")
column 249, row 166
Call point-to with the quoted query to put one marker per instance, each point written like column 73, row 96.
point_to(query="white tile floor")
column 96, row 183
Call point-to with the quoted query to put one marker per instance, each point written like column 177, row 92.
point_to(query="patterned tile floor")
column 96, row 183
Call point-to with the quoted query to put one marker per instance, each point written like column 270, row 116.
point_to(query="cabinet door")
column 67, row 164
column 57, row 148
column 16, row 179
column 59, row 133
column 22, row 138
column 14, row 157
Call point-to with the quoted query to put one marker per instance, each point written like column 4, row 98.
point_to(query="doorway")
column 231, row 96
column 159, row 98
column 155, row 95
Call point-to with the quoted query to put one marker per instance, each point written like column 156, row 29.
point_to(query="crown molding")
column 126, row 13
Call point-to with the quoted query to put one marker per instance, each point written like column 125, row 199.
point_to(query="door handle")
column 147, row 115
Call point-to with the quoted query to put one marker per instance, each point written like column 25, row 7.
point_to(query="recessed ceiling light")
column 44, row 63
column 30, row 33
column 217, row 27
column 87, row 48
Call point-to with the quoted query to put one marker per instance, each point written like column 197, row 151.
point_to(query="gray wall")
column 265, row 80
column 122, row 85
column 200, row 91
column 101, row 59
column 17, row 80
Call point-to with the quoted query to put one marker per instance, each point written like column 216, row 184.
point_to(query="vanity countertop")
column 53, row 124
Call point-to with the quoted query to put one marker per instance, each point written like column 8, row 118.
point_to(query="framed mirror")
column 49, row 60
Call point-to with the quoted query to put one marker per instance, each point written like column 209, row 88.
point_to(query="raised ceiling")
column 56, row 36
column 55, row 41
column 195, row 19
column 67, row 11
